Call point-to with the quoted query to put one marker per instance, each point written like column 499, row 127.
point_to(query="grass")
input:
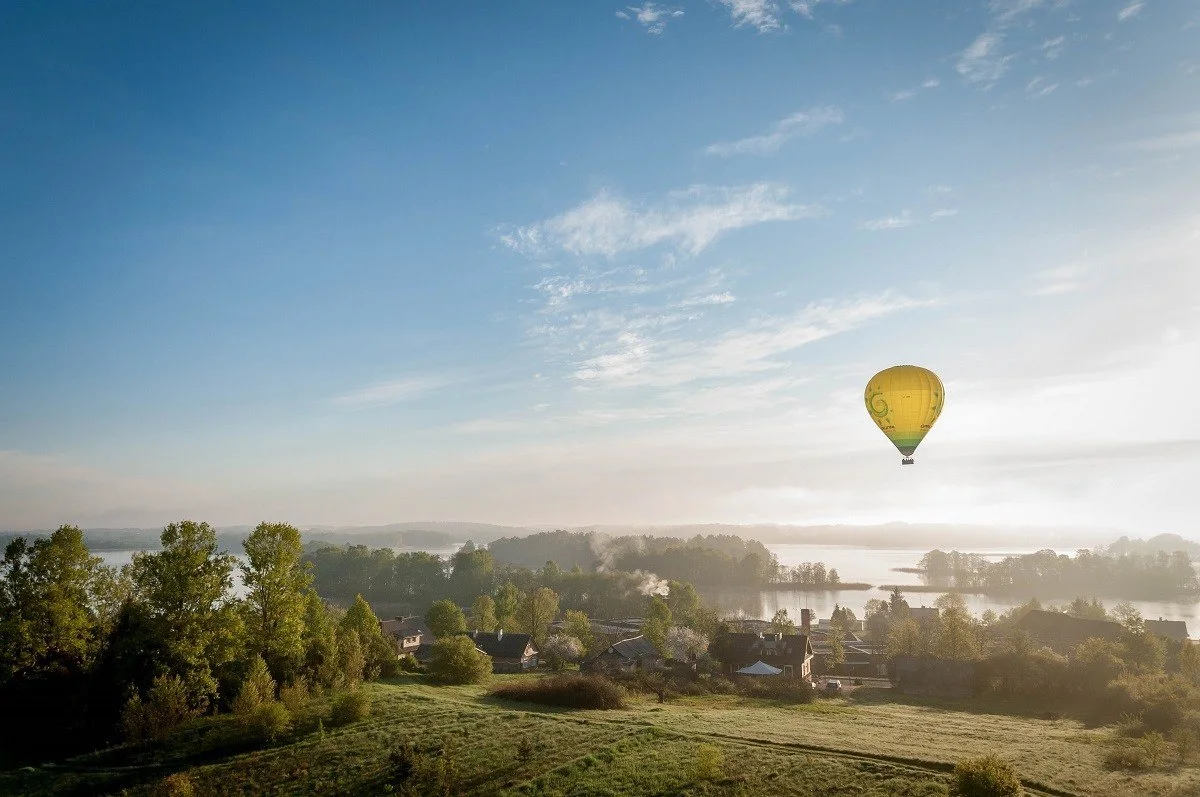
column 880, row 745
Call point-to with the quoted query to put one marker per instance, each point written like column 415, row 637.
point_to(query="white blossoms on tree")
column 685, row 643
column 560, row 649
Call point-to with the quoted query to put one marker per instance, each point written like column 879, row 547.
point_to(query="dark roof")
column 634, row 648
column 501, row 645
column 1171, row 629
column 745, row 647
column 1056, row 626
column 404, row 626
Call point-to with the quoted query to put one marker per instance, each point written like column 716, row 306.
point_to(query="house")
column 408, row 632
column 1171, row 629
column 859, row 659
column 791, row 653
column 634, row 653
column 1062, row 633
column 933, row 677
column 509, row 652
column 923, row 614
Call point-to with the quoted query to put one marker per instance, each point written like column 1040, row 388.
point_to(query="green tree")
column 352, row 661
column 956, row 638
column 657, row 621
column 444, row 618
column 379, row 654
column 257, row 688
column 576, row 624
column 483, row 614
column 837, row 652
column 186, row 589
column 1090, row 610
column 508, row 598
column 49, row 615
column 456, row 660
column 683, row 600
column 904, row 639
column 782, row 624
column 321, row 663
column 276, row 583
column 897, row 606
column 536, row 612
column 1189, row 662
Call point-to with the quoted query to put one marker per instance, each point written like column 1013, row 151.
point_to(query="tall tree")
column 483, row 613
column 508, row 598
column 576, row 624
column 277, row 582
column 658, row 621
column 380, row 655
column 185, row 588
column 445, row 618
column 683, row 600
column 837, row 652
column 536, row 613
column 782, row 624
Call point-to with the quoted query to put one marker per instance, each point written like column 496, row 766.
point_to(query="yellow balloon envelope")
column 904, row 401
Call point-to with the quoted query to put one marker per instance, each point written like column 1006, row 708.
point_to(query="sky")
column 571, row 263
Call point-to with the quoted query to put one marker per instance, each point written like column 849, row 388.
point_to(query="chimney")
column 499, row 634
column 806, row 622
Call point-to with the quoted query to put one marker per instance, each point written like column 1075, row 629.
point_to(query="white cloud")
column 1052, row 48
column 1038, row 87
column 905, row 94
column 652, row 16
column 1130, row 11
column 1059, row 280
column 1170, row 142
column 393, row 392
column 691, row 220
column 801, row 123
column 631, row 354
column 931, row 83
column 982, row 62
column 712, row 298
column 760, row 14
column 888, row 223
column 943, row 213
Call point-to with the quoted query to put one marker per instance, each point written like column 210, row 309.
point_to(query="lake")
column 869, row 565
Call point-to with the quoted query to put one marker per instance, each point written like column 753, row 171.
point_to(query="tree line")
column 90, row 654
column 1134, row 576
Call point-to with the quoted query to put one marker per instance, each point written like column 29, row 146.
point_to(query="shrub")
column 984, row 777
column 295, row 696
column 164, row 709
column 1126, row 755
column 177, row 785
column 269, row 721
column 257, row 688
column 350, row 707
column 708, row 762
column 571, row 691
column 457, row 661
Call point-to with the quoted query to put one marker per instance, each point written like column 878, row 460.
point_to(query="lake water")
column 869, row 565
column 875, row 566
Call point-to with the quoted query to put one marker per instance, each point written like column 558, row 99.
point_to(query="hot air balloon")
column 904, row 401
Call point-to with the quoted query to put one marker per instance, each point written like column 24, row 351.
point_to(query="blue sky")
column 573, row 263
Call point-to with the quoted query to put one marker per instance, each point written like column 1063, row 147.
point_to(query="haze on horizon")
column 598, row 264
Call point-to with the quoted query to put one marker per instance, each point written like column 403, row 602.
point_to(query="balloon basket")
column 906, row 461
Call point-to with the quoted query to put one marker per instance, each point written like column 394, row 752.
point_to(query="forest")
column 1133, row 576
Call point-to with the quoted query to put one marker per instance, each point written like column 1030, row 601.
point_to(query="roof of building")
column 502, row 645
column 634, row 648
column 405, row 627
column 741, row 646
column 1171, row 629
column 759, row 668
column 1046, row 625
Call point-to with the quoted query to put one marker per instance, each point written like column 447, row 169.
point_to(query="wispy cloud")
column 905, row 219
column 1167, row 143
column 395, row 392
column 1038, row 87
column 1052, row 48
column 943, row 213
column 801, row 123
column 690, row 219
column 652, row 16
column 1059, row 280
column 1130, row 11
column 762, row 15
column 982, row 62
column 710, row 299
column 908, row 94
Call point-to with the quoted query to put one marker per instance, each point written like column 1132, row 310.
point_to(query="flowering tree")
column 685, row 643
column 560, row 649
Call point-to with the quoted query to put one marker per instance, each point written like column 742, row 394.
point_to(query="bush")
column 295, row 696
column 164, row 709
column 1126, row 755
column 269, row 721
column 984, row 777
column 456, row 660
column 571, row 691
column 350, row 707
column 177, row 785
column 708, row 762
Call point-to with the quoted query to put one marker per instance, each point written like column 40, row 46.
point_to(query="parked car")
column 833, row 686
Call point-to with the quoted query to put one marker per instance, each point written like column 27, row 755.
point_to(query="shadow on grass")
column 1024, row 707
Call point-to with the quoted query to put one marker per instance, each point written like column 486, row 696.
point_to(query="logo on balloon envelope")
column 905, row 401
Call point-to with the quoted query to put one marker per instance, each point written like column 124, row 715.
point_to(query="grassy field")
column 869, row 745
